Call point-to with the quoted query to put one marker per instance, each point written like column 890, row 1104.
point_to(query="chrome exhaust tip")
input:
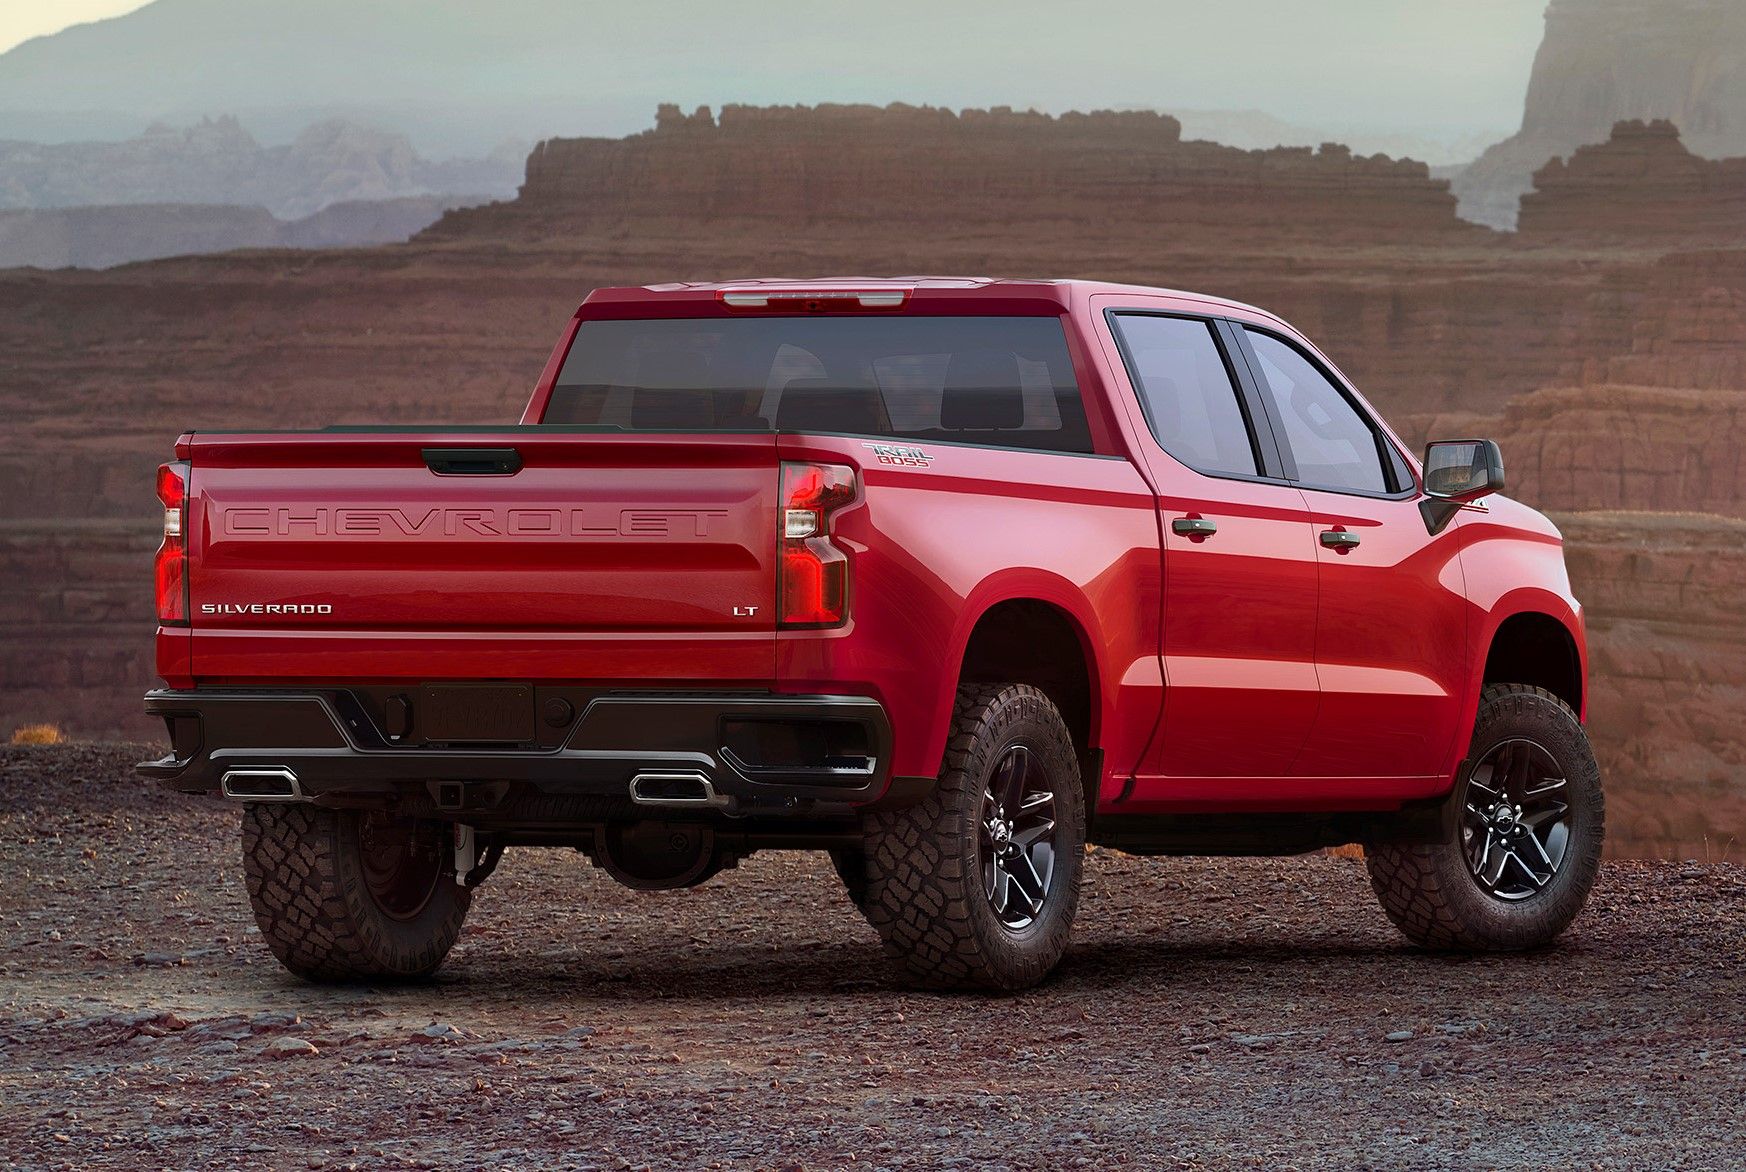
column 680, row 788
column 262, row 783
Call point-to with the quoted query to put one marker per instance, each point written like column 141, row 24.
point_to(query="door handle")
column 1193, row 527
column 1339, row 539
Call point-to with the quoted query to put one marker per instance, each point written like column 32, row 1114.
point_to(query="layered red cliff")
column 1612, row 364
column 1642, row 187
column 920, row 165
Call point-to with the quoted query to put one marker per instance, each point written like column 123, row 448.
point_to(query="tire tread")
column 1416, row 884
column 918, row 893
column 313, row 915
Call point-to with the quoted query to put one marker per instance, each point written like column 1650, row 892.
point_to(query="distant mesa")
column 1605, row 61
column 217, row 161
column 931, row 168
column 102, row 237
column 211, row 187
column 1258, row 130
column 1641, row 186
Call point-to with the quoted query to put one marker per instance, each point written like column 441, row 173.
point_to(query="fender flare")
column 1520, row 601
column 1031, row 585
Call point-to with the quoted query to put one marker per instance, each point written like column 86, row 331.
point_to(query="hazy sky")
column 1432, row 66
column 22, row 19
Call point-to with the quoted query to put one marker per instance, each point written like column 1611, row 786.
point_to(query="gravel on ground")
column 1211, row 1013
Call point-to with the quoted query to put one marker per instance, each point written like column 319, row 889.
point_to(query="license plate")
column 474, row 713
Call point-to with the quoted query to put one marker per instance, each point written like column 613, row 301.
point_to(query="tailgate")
column 526, row 553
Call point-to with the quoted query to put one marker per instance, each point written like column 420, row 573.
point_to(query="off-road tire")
column 316, row 911
column 924, row 884
column 1430, row 893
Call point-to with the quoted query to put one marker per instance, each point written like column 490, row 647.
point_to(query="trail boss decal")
column 900, row 455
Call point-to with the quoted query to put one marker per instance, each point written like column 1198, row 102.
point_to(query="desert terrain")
column 1610, row 362
column 1211, row 1014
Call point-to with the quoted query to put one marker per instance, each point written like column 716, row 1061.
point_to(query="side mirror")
column 1458, row 471
column 1463, row 470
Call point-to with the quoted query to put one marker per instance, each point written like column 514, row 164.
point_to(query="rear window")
column 1004, row 381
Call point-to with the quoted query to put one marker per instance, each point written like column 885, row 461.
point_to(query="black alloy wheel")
column 1515, row 826
column 1018, row 838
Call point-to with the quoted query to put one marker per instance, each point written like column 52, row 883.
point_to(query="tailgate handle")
column 473, row 461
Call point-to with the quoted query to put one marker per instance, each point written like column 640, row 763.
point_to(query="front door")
column 1391, row 652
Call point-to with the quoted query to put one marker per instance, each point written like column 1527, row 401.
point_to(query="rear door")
column 1391, row 652
column 523, row 553
column 1239, row 598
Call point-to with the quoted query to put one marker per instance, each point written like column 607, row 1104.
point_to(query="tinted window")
column 988, row 380
column 1189, row 398
column 1334, row 445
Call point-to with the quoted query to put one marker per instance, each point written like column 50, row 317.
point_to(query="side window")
column 1189, row 399
column 1334, row 445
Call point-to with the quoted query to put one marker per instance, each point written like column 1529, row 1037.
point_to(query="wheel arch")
column 1537, row 641
column 1037, row 633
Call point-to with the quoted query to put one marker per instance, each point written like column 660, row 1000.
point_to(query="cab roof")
column 935, row 293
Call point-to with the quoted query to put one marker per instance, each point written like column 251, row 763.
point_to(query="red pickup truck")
column 948, row 577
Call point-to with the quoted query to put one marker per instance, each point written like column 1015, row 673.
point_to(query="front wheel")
column 978, row 884
column 1526, row 845
column 343, row 895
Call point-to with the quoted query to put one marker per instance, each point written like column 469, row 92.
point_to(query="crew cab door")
column 1391, row 656
column 1239, row 597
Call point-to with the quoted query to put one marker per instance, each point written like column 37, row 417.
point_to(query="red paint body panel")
column 1255, row 670
column 1392, row 659
column 932, row 549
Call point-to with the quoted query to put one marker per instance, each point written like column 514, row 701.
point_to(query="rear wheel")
column 348, row 895
column 1527, row 842
column 978, row 884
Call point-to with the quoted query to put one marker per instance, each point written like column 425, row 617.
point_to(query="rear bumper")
column 322, row 746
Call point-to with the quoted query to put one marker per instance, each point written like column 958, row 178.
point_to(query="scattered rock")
column 442, row 1031
column 274, row 1021
column 290, row 1048
column 159, row 959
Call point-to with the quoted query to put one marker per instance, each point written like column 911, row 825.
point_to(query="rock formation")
column 1667, row 671
column 1605, row 61
column 1661, row 449
column 216, row 161
column 1641, row 186
column 98, row 237
column 934, row 170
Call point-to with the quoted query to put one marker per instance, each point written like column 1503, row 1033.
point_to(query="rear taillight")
column 172, row 561
column 814, row 589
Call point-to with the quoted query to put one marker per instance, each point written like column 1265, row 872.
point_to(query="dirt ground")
column 1211, row 1014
